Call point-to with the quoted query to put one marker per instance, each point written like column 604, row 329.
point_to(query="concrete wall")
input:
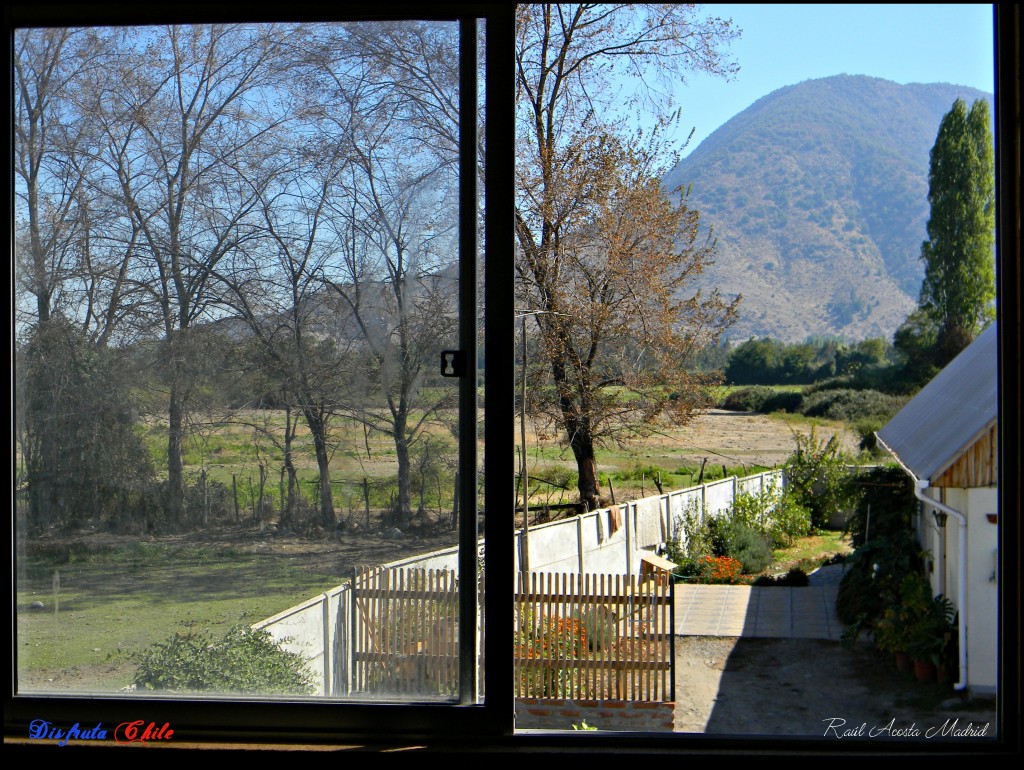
column 445, row 559
column 313, row 630
column 585, row 543
column 319, row 628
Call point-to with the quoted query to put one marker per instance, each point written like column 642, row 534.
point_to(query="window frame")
column 206, row 718
column 488, row 726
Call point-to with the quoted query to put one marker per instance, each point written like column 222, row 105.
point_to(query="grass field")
column 103, row 596
column 807, row 552
column 97, row 607
column 723, row 443
column 230, row 450
column 721, row 391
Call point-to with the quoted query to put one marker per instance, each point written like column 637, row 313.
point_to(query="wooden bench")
column 654, row 567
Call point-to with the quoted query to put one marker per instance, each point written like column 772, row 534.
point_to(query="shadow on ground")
column 816, row 688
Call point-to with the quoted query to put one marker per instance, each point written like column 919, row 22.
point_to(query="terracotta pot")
column 903, row 661
column 924, row 670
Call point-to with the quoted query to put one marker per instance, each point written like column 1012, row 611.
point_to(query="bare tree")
column 275, row 284
column 210, row 171
column 399, row 295
column 603, row 261
column 185, row 132
column 48, row 185
column 393, row 216
column 70, row 424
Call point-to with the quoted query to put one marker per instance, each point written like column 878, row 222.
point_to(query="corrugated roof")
column 949, row 413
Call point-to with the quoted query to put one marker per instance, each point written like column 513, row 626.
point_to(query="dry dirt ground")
column 741, row 437
column 717, row 437
column 723, row 437
column 814, row 688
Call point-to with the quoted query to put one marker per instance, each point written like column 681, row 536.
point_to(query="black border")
column 239, row 726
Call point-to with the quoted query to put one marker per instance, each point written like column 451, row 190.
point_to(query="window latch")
column 453, row 363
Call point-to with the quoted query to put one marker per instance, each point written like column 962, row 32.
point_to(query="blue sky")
column 787, row 44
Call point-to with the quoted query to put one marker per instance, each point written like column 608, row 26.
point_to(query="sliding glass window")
column 245, row 329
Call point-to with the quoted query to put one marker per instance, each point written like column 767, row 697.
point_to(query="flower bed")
column 712, row 570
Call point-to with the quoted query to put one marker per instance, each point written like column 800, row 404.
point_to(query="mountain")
column 818, row 196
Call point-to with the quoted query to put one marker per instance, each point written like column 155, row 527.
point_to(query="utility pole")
column 525, row 561
column 526, row 475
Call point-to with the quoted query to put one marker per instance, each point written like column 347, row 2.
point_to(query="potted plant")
column 891, row 634
column 924, row 649
column 930, row 636
column 948, row 668
column 897, row 629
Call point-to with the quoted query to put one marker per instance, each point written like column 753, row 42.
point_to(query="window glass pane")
column 237, row 266
column 778, row 246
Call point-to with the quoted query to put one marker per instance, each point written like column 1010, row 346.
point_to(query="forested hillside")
column 817, row 194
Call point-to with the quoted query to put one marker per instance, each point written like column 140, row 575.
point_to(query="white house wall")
column 982, row 589
column 981, row 613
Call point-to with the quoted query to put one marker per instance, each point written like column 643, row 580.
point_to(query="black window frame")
column 489, row 726
column 219, row 719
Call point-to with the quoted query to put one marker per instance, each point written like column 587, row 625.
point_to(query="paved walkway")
column 808, row 612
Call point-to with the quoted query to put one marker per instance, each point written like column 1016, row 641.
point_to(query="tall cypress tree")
column 959, row 282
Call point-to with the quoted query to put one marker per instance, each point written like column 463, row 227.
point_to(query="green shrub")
column 548, row 637
column 747, row 399
column 754, row 524
column 784, row 401
column 871, row 581
column 866, row 429
column 842, row 382
column 245, row 661
column 638, row 472
column 852, row 405
column 599, row 626
column 817, row 476
column 750, row 547
column 719, row 535
column 774, row 512
column 796, row 577
column 885, row 504
column 690, row 537
column 789, row 520
column 751, row 510
column 557, row 476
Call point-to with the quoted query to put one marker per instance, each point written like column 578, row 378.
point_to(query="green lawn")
column 808, row 552
column 100, row 607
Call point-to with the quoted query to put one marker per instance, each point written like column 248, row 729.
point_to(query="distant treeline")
column 873, row 363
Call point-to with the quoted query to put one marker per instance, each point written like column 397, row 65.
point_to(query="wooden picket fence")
column 594, row 637
column 405, row 631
